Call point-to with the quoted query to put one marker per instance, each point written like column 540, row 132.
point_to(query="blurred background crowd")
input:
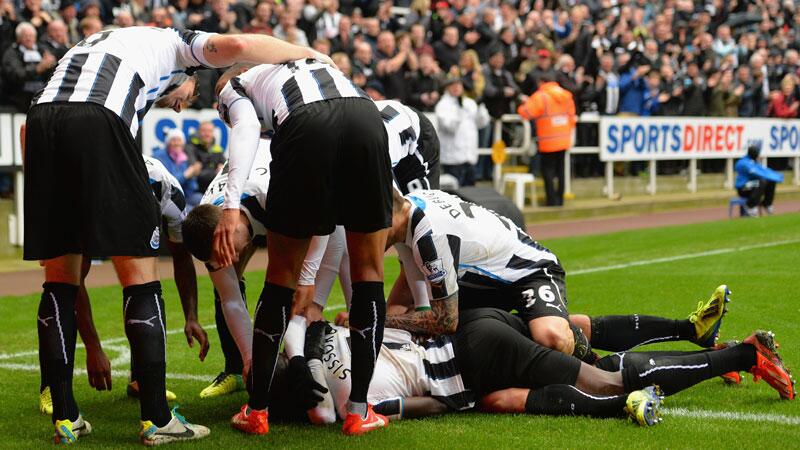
column 731, row 58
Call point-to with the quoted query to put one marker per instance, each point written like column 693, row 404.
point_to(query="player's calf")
column 553, row 332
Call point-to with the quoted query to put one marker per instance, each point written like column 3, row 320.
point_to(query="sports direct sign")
column 664, row 138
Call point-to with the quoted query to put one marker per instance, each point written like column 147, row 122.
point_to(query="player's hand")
column 224, row 250
column 303, row 297
column 342, row 319
column 321, row 57
column 303, row 385
column 193, row 330
column 98, row 368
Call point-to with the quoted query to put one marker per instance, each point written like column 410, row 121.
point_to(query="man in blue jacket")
column 755, row 182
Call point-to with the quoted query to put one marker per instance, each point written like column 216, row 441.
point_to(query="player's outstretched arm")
column 442, row 318
column 410, row 407
column 226, row 50
column 186, row 282
column 98, row 367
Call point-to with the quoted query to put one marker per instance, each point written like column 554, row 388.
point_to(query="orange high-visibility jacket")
column 552, row 109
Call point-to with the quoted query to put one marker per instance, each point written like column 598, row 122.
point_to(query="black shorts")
column 541, row 295
column 494, row 351
column 86, row 185
column 330, row 166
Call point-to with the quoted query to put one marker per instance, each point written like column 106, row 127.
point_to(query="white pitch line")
column 647, row 262
column 733, row 416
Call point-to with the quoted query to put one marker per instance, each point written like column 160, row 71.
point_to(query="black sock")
column 621, row 333
column 678, row 372
column 367, row 315
column 145, row 321
column 616, row 362
column 583, row 349
column 566, row 400
column 233, row 359
column 58, row 331
column 272, row 315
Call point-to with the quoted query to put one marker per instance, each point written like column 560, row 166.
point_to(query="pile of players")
column 330, row 180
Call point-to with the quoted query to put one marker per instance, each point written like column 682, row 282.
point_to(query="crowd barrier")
column 622, row 139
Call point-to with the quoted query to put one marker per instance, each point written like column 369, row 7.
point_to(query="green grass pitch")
column 662, row 271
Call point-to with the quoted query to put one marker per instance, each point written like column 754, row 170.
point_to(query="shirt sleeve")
column 436, row 263
column 420, row 290
column 233, row 308
column 244, row 141
column 173, row 209
column 316, row 250
column 190, row 48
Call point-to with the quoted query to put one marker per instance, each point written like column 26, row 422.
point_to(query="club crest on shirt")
column 435, row 270
column 155, row 239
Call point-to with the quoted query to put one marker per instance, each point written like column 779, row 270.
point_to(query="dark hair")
column 198, row 230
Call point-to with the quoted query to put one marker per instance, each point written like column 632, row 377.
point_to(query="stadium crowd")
column 725, row 58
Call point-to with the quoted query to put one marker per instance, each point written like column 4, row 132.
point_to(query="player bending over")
column 330, row 166
column 80, row 132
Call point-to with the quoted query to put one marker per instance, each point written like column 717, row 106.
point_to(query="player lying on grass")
column 172, row 205
column 458, row 255
column 491, row 360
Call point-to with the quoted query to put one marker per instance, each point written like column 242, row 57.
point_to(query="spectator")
column 8, row 23
column 261, row 23
column 342, row 61
column 725, row 98
column 654, row 97
column 69, row 15
column 288, row 31
column 322, row 45
column 607, row 85
column 694, row 91
column 363, row 64
column 487, row 37
column 394, row 63
column 501, row 90
column 753, row 103
column 343, row 41
column 374, row 89
column 755, row 182
column 472, row 76
column 552, row 110
column 784, row 103
column 418, row 40
column 633, row 90
column 425, row 83
column 448, row 50
column 124, row 19
column 160, row 18
column 459, row 119
column 176, row 160
column 671, row 103
column 55, row 41
column 724, row 45
column 89, row 26
column 327, row 23
column 33, row 13
column 26, row 68
column 204, row 149
column 222, row 19
column 543, row 69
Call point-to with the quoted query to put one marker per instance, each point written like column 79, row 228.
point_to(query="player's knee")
column 555, row 335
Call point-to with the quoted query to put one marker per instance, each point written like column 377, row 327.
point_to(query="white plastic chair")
column 519, row 180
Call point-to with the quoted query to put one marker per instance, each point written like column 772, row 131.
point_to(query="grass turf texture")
column 764, row 282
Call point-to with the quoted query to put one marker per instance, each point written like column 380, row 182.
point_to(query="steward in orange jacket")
column 553, row 111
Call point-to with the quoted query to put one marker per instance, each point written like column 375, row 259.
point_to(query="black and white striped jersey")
column 276, row 90
column 254, row 193
column 125, row 70
column 170, row 197
column 409, row 167
column 450, row 238
column 404, row 368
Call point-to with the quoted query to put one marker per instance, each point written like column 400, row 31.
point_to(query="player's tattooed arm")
column 210, row 47
column 442, row 318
